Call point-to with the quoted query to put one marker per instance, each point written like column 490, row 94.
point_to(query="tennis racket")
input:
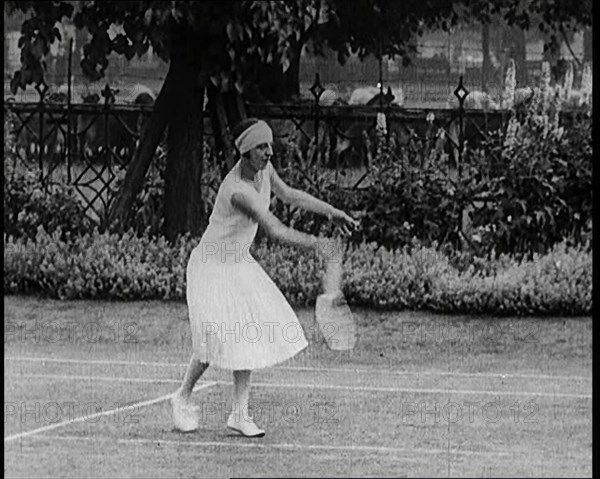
column 332, row 314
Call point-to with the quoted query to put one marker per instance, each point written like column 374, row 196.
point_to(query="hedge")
column 129, row 267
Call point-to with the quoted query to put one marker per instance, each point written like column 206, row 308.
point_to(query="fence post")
column 380, row 111
column 41, row 88
column 109, row 98
column 317, row 90
column 461, row 93
column 69, row 113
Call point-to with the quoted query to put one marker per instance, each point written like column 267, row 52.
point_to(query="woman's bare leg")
column 239, row 419
column 241, row 391
column 184, row 416
column 194, row 371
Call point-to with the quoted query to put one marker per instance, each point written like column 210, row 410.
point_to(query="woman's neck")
column 247, row 172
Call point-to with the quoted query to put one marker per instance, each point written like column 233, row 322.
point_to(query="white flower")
column 586, row 81
column 510, row 83
column 381, row 122
column 559, row 132
column 545, row 84
column 511, row 132
column 568, row 83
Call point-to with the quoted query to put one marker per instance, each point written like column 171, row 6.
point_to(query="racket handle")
column 346, row 245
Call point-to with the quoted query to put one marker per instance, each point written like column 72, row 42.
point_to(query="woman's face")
column 259, row 156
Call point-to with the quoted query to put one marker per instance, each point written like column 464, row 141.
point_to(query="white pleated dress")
column 239, row 318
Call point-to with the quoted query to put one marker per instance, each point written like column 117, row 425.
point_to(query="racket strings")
column 334, row 317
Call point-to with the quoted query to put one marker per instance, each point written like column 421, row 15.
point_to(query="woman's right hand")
column 346, row 223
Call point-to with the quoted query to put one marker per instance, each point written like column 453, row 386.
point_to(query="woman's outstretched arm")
column 308, row 202
column 247, row 201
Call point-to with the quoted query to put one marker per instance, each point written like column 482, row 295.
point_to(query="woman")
column 238, row 317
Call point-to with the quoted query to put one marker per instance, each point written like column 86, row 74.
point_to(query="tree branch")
column 306, row 32
column 564, row 35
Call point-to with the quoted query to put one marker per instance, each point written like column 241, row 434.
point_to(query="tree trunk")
column 292, row 76
column 234, row 108
column 178, row 106
column 120, row 209
column 271, row 81
column 183, row 207
column 587, row 45
column 221, row 125
column 553, row 56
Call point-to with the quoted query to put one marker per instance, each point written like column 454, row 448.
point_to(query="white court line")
column 98, row 415
column 301, row 368
column 439, row 373
column 317, row 386
column 98, row 378
column 256, row 445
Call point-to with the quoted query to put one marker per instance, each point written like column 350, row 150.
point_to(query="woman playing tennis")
column 238, row 317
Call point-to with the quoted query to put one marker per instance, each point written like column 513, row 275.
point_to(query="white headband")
column 255, row 135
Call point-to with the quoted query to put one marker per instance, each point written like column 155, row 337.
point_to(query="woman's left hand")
column 345, row 221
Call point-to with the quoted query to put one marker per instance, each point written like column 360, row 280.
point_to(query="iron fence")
column 344, row 136
column 89, row 146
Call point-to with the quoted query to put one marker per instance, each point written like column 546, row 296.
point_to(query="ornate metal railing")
column 84, row 145
column 90, row 145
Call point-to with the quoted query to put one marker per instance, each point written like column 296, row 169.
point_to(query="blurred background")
column 426, row 83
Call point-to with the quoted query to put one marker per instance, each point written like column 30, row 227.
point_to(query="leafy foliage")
column 543, row 193
column 232, row 38
column 229, row 37
column 537, row 181
column 225, row 44
column 27, row 206
column 97, row 266
column 130, row 267
column 559, row 282
column 403, row 199
column 150, row 201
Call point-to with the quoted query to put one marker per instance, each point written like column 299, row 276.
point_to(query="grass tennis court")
column 420, row 395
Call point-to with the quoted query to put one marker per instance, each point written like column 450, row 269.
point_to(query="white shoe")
column 245, row 427
column 184, row 414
